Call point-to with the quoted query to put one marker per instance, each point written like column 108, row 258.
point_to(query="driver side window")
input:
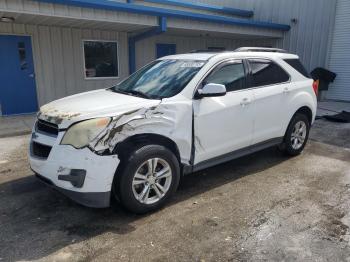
column 232, row 76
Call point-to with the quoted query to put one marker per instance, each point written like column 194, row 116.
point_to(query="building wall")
column 58, row 58
column 69, row 15
column 309, row 37
column 339, row 55
column 146, row 49
column 58, row 54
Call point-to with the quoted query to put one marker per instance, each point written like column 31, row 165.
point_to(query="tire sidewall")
column 287, row 140
column 125, row 178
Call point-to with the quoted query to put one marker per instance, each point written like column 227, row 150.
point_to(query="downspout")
column 161, row 28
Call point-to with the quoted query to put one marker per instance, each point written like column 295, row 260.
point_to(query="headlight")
column 82, row 133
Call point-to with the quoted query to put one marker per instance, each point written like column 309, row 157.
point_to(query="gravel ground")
column 261, row 207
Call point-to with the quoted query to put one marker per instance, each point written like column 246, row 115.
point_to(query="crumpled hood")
column 99, row 103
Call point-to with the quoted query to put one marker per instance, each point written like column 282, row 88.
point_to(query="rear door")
column 224, row 124
column 271, row 89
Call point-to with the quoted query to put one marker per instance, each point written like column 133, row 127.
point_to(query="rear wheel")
column 297, row 135
column 151, row 175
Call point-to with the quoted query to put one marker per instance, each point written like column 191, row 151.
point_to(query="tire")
column 143, row 192
column 294, row 142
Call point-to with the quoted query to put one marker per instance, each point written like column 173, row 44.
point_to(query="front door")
column 165, row 49
column 17, row 77
column 224, row 124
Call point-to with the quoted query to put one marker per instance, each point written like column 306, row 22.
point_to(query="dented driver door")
column 224, row 124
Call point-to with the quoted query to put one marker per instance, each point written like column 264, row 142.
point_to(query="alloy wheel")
column 152, row 181
column 298, row 135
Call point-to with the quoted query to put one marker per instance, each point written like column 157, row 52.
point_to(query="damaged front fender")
column 172, row 119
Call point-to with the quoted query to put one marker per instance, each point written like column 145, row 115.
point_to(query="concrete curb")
column 16, row 133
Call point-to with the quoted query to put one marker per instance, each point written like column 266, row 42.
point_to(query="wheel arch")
column 306, row 111
column 126, row 146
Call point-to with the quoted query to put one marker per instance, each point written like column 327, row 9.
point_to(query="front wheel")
column 151, row 175
column 297, row 135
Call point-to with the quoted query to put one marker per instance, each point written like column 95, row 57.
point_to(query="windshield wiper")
column 138, row 93
column 116, row 90
column 130, row 92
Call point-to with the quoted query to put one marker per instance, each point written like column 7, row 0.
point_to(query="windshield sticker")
column 192, row 64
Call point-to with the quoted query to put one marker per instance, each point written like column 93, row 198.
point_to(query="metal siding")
column 66, row 11
column 308, row 37
column 340, row 53
column 187, row 24
column 93, row 7
column 58, row 58
column 146, row 49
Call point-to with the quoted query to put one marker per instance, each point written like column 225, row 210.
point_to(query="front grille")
column 46, row 127
column 40, row 150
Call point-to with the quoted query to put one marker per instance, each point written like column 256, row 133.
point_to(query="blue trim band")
column 156, row 11
column 226, row 10
column 132, row 41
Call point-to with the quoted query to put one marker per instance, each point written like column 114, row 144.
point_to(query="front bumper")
column 90, row 186
column 91, row 199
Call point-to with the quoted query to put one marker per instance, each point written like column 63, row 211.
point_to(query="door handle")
column 286, row 90
column 245, row 102
column 31, row 75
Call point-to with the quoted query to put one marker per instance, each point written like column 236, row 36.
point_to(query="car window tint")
column 297, row 65
column 264, row 72
column 232, row 76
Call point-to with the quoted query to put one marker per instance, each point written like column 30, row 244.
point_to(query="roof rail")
column 207, row 50
column 260, row 49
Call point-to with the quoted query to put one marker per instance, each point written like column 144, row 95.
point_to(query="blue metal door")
column 165, row 49
column 17, row 77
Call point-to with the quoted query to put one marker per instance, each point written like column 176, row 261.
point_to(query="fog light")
column 76, row 177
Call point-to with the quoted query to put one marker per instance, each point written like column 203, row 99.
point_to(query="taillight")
column 315, row 85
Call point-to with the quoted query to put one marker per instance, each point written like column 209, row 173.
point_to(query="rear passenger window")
column 297, row 65
column 265, row 72
column 231, row 75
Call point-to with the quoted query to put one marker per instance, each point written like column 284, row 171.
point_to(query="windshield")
column 160, row 79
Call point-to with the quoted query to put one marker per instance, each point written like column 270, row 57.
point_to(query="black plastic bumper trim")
column 76, row 177
column 89, row 199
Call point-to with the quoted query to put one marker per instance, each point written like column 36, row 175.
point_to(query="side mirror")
column 211, row 90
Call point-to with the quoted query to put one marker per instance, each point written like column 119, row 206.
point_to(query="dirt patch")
column 260, row 207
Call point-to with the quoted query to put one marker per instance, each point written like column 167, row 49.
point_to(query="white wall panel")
column 340, row 53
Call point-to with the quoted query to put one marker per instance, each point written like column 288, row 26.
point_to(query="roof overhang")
column 202, row 6
column 72, row 21
column 169, row 13
column 132, row 18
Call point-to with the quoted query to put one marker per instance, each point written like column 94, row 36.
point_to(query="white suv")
column 176, row 115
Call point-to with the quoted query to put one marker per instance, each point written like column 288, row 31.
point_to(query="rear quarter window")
column 297, row 65
column 265, row 72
